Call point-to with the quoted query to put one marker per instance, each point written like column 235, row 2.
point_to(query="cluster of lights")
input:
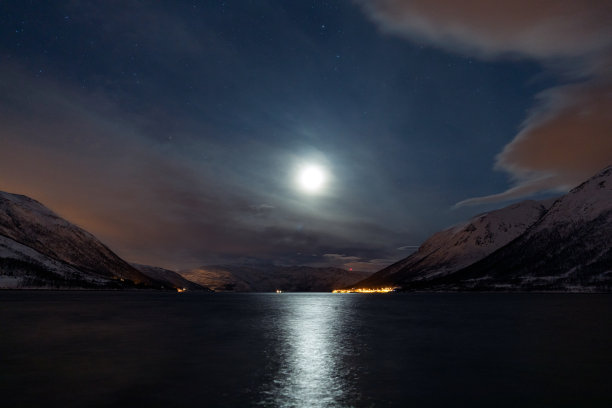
column 179, row 290
column 365, row 290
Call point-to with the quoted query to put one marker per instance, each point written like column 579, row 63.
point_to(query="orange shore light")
column 365, row 290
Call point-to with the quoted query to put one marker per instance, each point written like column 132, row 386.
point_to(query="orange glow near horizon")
column 365, row 290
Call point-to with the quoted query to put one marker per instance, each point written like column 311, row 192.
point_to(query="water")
column 109, row 349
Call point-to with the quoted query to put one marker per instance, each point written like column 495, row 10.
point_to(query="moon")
column 311, row 178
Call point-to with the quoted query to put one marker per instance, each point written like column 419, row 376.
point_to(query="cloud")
column 357, row 263
column 566, row 139
column 341, row 258
column 548, row 28
column 261, row 209
column 152, row 200
column 371, row 265
column 567, row 135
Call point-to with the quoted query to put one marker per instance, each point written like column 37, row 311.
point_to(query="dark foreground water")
column 143, row 349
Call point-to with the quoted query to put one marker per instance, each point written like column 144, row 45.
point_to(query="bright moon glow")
column 311, row 179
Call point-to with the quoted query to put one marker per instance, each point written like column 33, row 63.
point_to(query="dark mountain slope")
column 33, row 233
column 168, row 278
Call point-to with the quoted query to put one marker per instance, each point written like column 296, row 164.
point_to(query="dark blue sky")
column 173, row 130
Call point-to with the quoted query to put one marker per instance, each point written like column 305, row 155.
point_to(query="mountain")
column 568, row 249
column 457, row 247
column 565, row 245
column 270, row 278
column 24, row 267
column 38, row 248
column 168, row 278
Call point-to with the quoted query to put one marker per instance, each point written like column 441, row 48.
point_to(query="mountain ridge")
column 169, row 277
column 41, row 250
column 449, row 250
column 269, row 278
column 567, row 248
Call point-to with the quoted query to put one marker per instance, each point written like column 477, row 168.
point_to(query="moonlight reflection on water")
column 148, row 349
column 315, row 341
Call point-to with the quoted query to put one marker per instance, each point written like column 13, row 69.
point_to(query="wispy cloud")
column 150, row 199
column 566, row 136
column 357, row 263
column 408, row 247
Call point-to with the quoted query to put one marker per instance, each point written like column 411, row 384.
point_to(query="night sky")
column 175, row 131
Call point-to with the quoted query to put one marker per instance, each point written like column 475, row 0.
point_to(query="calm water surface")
column 144, row 349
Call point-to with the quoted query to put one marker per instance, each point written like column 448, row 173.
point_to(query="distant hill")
column 168, row 278
column 39, row 249
column 565, row 245
column 270, row 278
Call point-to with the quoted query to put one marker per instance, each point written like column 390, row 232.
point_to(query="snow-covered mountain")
column 457, row 247
column 270, row 278
column 561, row 245
column 568, row 249
column 39, row 248
column 24, row 267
